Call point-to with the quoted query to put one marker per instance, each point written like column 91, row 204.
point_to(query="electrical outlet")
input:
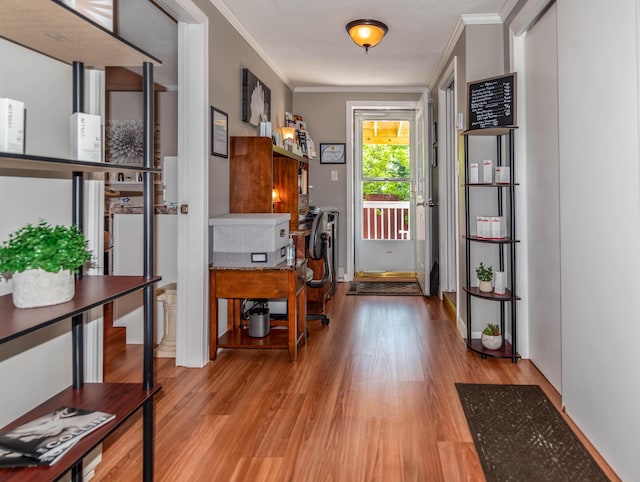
column 334, row 175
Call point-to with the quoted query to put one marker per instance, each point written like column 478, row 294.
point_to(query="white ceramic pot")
column 486, row 286
column 491, row 342
column 36, row 287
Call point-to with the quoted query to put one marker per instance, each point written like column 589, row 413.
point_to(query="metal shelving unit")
column 505, row 206
column 55, row 30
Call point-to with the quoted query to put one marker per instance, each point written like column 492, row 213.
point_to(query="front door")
column 384, row 192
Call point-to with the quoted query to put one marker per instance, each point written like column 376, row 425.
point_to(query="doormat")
column 384, row 288
column 520, row 436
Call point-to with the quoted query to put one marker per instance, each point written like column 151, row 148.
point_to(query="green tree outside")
column 390, row 161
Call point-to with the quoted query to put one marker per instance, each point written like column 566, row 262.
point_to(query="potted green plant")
column 42, row 260
column 485, row 275
column 491, row 338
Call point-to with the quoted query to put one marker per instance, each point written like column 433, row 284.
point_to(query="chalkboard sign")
column 492, row 102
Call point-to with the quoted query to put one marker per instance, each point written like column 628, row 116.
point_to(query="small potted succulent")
column 491, row 338
column 485, row 276
column 42, row 260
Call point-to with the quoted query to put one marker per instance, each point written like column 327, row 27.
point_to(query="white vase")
column 486, row 286
column 491, row 342
column 36, row 287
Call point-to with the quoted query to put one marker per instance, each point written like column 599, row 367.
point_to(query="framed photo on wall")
column 256, row 99
column 219, row 133
column 333, row 153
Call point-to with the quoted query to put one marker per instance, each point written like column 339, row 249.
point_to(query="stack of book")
column 45, row 440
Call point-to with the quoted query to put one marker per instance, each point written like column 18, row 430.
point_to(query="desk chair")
column 318, row 250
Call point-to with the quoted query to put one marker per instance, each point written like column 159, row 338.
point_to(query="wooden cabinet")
column 503, row 207
column 59, row 32
column 257, row 167
column 235, row 284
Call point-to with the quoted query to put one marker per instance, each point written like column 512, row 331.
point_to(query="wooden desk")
column 235, row 284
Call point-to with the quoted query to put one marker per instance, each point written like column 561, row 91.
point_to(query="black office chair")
column 319, row 250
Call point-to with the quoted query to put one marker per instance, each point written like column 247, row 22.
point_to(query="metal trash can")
column 259, row 322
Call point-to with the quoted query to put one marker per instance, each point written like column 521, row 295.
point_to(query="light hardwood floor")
column 371, row 398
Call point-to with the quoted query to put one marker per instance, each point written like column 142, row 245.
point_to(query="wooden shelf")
column 475, row 291
column 492, row 240
column 91, row 291
column 43, row 163
column 492, row 131
column 285, row 153
column 256, row 168
column 277, row 338
column 491, row 184
column 55, row 30
column 506, row 351
column 121, row 399
column 58, row 31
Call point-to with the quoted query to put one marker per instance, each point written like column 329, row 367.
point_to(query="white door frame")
column 424, row 172
column 352, row 106
column 523, row 21
column 385, row 255
column 192, row 326
column 445, row 181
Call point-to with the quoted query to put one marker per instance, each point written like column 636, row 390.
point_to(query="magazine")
column 10, row 459
column 47, row 438
column 15, row 459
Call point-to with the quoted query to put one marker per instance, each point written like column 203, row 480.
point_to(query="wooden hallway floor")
column 371, row 398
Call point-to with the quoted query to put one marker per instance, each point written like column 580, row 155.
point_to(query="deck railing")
column 386, row 220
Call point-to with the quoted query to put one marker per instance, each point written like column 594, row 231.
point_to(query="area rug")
column 520, row 436
column 384, row 288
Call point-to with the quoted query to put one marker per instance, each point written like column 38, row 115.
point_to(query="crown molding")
column 463, row 21
column 226, row 13
column 363, row 89
column 481, row 18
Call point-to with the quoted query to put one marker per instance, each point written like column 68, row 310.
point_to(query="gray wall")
column 325, row 114
column 479, row 54
column 229, row 53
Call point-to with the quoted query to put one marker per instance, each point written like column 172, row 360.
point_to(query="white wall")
column 600, row 224
column 43, row 358
column 128, row 310
column 541, row 245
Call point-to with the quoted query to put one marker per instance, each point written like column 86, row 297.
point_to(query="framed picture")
column 332, row 154
column 125, row 141
column 219, row 133
column 256, row 99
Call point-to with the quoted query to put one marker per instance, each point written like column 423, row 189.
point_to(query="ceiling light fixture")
column 367, row 33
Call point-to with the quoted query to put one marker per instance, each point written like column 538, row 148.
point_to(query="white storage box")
column 249, row 239
column 503, row 175
column 498, row 228
column 483, row 227
column 473, row 173
column 11, row 126
column 86, row 137
column 487, row 171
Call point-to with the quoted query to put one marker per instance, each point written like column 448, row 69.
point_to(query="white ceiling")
column 307, row 45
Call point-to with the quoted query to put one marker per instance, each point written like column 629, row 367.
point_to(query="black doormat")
column 520, row 436
column 384, row 288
